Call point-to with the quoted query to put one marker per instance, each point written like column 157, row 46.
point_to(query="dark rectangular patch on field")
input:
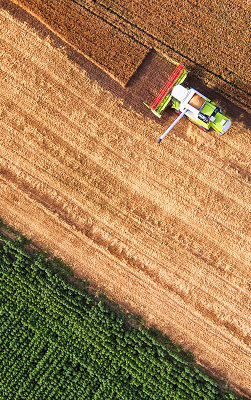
column 149, row 79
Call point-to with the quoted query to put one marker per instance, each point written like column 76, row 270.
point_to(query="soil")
column 163, row 230
column 113, row 51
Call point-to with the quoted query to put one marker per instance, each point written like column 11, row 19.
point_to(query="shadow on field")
column 128, row 95
column 230, row 109
column 143, row 86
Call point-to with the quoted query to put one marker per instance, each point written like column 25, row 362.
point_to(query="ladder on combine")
column 164, row 96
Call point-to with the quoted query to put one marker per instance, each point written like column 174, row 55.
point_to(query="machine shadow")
column 146, row 80
column 230, row 109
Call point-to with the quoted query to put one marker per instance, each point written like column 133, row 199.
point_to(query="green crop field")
column 60, row 342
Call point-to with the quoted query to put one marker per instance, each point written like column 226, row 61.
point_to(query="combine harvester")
column 189, row 103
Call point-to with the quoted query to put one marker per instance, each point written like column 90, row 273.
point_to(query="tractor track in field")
column 96, row 8
column 108, row 13
column 77, row 26
column 162, row 230
column 78, row 166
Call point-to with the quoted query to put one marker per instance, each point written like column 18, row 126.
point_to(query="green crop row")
column 61, row 342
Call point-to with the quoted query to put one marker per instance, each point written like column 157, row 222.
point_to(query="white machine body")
column 184, row 95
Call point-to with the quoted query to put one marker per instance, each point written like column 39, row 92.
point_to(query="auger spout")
column 172, row 125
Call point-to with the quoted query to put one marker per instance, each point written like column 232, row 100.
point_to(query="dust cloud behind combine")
column 162, row 230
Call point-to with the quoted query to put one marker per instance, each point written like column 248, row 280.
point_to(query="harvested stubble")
column 162, row 230
column 113, row 51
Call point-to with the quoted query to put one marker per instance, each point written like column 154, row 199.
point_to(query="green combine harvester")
column 190, row 103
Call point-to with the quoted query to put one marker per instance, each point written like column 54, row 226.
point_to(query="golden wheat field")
column 162, row 230
column 99, row 41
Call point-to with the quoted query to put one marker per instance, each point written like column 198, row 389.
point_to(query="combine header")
column 164, row 96
column 189, row 103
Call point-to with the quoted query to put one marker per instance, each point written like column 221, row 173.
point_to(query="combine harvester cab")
column 190, row 103
column 199, row 109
